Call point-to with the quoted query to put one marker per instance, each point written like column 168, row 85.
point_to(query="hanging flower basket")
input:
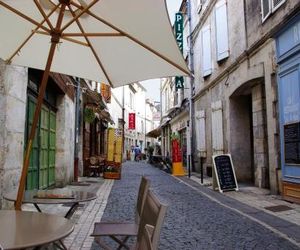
column 89, row 115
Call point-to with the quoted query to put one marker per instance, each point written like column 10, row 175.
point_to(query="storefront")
column 288, row 56
column 179, row 125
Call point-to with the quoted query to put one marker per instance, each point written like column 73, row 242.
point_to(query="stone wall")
column 259, row 137
column 13, row 91
column 65, row 132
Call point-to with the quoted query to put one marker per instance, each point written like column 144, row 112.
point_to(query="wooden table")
column 23, row 229
column 53, row 196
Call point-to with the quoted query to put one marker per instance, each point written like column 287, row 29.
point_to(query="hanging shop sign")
column 178, row 26
column 106, row 92
column 131, row 121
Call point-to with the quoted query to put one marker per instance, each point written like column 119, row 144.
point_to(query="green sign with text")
column 178, row 26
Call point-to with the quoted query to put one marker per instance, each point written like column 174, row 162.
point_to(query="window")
column 142, row 126
column 131, row 101
column 206, row 52
column 269, row 6
column 199, row 5
column 276, row 4
column 221, row 30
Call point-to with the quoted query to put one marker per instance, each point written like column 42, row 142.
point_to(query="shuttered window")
column 269, row 6
column 206, row 51
column 200, row 131
column 265, row 9
column 276, row 4
column 217, row 128
column 221, row 30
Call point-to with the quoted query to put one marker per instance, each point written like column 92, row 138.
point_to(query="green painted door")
column 41, row 173
column 52, row 143
column 32, row 176
column 44, row 148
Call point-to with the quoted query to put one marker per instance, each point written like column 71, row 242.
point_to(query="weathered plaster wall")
column 13, row 89
column 65, row 131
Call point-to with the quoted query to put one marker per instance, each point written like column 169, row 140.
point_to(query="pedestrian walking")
column 137, row 153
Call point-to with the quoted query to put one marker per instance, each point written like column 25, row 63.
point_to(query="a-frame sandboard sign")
column 224, row 173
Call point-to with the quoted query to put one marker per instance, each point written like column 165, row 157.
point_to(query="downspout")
column 191, row 109
column 76, row 148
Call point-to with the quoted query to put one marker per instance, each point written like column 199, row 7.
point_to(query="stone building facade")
column 14, row 95
column 236, row 91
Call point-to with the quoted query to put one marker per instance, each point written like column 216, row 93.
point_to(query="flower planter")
column 112, row 175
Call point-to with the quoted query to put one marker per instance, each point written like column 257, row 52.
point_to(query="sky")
column 153, row 86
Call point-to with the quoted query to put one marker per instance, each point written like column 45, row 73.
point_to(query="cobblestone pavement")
column 199, row 218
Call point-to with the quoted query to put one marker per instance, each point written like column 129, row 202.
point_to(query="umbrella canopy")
column 111, row 41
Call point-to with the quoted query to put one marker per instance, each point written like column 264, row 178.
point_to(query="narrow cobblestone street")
column 199, row 218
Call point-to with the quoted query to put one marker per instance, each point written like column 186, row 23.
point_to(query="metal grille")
column 279, row 208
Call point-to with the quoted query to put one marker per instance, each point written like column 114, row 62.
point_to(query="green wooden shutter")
column 32, row 176
column 44, row 148
column 52, row 143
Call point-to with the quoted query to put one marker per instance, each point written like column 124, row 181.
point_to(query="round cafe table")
column 23, row 229
column 53, row 196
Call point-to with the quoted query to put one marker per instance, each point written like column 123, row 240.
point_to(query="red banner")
column 131, row 121
column 176, row 151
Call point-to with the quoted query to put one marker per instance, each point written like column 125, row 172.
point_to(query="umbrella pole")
column 54, row 40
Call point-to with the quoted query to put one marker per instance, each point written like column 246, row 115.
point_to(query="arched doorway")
column 248, row 136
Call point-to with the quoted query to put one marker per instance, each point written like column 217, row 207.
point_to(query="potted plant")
column 89, row 115
column 112, row 172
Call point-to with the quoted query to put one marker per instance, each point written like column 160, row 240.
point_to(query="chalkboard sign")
column 224, row 173
column 292, row 143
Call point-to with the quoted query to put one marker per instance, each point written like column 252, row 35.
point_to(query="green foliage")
column 175, row 136
column 111, row 169
column 89, row 115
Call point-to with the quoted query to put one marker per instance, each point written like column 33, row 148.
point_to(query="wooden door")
column 289, row 93
column 44, row 148
column 52, row 147
column 41, row 172
column 32, row 175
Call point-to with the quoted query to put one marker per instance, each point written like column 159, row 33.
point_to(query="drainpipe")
column 76, row 148
column 191, row 104
column 123, row 125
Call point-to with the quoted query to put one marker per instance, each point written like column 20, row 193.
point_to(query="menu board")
column 292, row 143
column 224, row 171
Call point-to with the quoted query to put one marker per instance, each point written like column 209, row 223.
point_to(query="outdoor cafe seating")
column 149, row 210
column 94, row 165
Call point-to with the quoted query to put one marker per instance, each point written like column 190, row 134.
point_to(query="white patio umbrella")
column 112, row 41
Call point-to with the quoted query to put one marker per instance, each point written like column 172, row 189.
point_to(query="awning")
column 165, row 121
column 94, row 97
column 104, row 114
column 154, row 133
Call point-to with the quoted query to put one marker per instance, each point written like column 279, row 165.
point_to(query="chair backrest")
column 143, row 190
column 93, row 160
column 153, row 214
column 145, row 240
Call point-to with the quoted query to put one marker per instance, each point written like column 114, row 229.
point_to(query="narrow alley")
column 197, row 217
